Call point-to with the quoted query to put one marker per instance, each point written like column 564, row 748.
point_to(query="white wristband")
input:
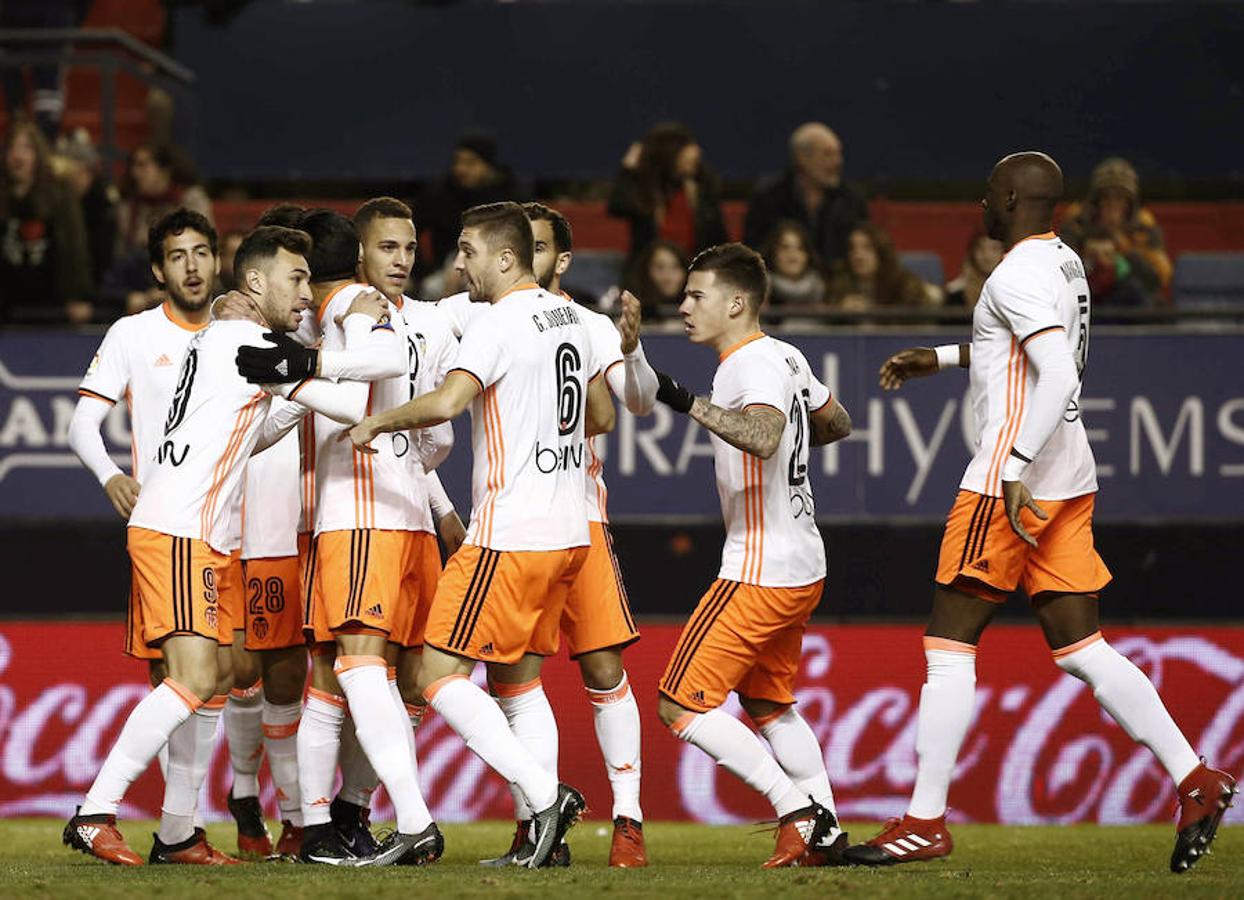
column 947, row 356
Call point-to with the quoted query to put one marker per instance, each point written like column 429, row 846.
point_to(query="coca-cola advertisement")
column 1040, row 750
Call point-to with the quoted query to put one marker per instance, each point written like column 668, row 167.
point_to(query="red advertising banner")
column 1039, row 751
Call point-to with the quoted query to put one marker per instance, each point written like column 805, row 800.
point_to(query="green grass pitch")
column 687, row 861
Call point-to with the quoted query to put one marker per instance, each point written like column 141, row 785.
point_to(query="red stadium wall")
column 1039, row 750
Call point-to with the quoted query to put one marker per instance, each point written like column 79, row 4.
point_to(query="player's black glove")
column 287, row 361
column 673, row 394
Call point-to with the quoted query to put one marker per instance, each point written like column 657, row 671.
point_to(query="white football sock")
column 946, row 704
column 384, row 734
column 481, row 724
column 319, row 735
column 146, row 730
column 616, row 717
column 358, row 779
column 799, row 754
column 405, row 713
column 190, row 754
column 244, row 732
column 736, row 749
column 280, row 740
column 527, row 710
column 1131, row 699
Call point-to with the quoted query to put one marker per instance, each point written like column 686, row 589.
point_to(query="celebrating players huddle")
column 286, row 528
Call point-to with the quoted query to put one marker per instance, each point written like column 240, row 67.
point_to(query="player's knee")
column 762, row 711
column 284, row 674
column 157, row 671
column 200, row 683
column 602, row 671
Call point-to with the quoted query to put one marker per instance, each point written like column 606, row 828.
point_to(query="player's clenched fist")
column 914, row 362
column 122, row 491
column 371, row 304
column 673, row 394
column 628, row 324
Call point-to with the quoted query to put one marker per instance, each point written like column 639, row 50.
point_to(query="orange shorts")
column 314, row 626
column 135, row 643
column 425, row 573
column 981, row 555
column 273, row 603
column 597, row 613
column 178, row 585
column 232, row 599
column 491, row 604
column 741, row 638
column 364, row 578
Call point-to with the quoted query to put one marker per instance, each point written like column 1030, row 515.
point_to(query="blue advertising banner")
column 1164, row 410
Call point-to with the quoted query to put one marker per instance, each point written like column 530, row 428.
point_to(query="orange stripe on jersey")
column 129, row 409
column 594, row 468
column 308, row 471
column 245, row 416
column 1010, row 381
column 496, row 462
column 754, row 516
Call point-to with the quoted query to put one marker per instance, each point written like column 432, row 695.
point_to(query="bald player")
column 1023, row 518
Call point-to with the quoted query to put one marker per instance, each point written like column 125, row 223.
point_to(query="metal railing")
column 112, row 51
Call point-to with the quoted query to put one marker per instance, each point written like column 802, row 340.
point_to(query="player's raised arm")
column 432, row 408
column 639, row 388
column 756, row 429
column 920, row 362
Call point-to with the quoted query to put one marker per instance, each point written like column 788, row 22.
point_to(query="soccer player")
column 180, row 529
column 1023, row 518
column 767, row 409
column 597, row 621
column 525, row 367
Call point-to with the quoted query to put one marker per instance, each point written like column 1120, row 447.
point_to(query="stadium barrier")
column 1039, row 750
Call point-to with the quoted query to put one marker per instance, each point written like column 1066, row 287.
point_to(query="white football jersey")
column 607, row 348
column 459, row 309
column 194, row 478
column 1038, row 287
column 138, row 362
column 272, row 499
column 532, row 357
column 369, row 490
column 771, row 534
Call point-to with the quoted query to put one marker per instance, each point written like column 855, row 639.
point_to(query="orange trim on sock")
column 683, row 723
column 276, row 732
column 435, row 687
column 762, row 721
column 323, row 648
column 415, row 710
column 187, row 696
column 505, row 691
column 325, row 697
column 393, row 673
column 949, row 646
column 248, row 693
column 604, row 698
column 346, row 663
column 217, row 702
column 1078, row 645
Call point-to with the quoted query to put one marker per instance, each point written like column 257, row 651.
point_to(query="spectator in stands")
column 159, row 179
column 79, row 166
column 810, row 192
column 1113, row 204
column 983, row 254
column 475, row 176
column 1112, row 277
column 657, row 276
column 664, row 191
column 796, row 273
column 872, row 276
column 45, row 266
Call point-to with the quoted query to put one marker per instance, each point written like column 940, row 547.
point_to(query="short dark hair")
column 563, row 236
column 334, row 245
column 175, row 223
column 264, row 243
column 287, row 215
column 381, row 208
column 504, row 225
column 737, row 265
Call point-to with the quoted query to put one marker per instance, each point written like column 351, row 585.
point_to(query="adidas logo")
column 982, row 564
column 697, row 696
column 88, row 833
column 487, row 649
column 282, row 368
column 376, row 612
column 163, row 360
column 625, row 767
column 323, row 801
column 805, row 827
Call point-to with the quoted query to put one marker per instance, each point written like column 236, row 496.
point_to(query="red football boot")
column 290, row 844
column 1204, row 797
column 627, row 850
column 800, row 832
column 99, row 836
column 254, row 841
column 903, row 840
column 194, row 851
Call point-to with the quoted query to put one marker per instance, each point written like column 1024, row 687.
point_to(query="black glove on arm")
column 673, row 394
column 288, row 361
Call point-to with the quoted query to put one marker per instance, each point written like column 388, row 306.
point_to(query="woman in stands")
column 872, row 275
column 983, row 254
column 797, row 277
column 664, row 191
column 657, row 277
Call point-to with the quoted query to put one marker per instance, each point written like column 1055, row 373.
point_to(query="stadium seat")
column 925, row 264
column 1208, row 279
column 592, row 273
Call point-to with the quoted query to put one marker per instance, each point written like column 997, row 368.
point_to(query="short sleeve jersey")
column 460, row 309
column 138, row 361
column 771, row 534
column 1037, row 288
column 607, row 348
column 194, row 479
column 532, row 357
column 369, row 490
